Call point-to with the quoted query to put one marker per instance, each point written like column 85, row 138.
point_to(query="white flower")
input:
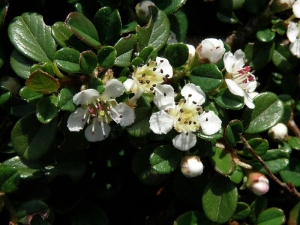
column 150, row 78
column 210, row 50
column 191, row 166
column 99, row 110
column 240, row 80
column 186, row 117
column 278, row 132
column 296, row 9
column 293, row 32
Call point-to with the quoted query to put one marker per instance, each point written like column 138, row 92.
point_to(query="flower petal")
column 234, row 62
column 295, row 48
column 292, row 31
column 164, row 65
column 210, row 122
column 296, row 9
column 113, row 88
column 248, row 100
column 234, row 88
column 212, row 49
column 123, row 114
column 193, row 93
column 184, row 141
column 95, row 132
column 161, row 122
column 85, row 96
column 164, row 97
column 128, row 84
column 76, row 121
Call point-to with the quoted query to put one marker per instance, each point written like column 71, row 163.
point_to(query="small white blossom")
column 278, row 132
column 186, row 117
column 257, row 183
column 210, row 50
column 99, row 110
column 293, row 32
column 239, row 79
column 150, row 78
column 296, row 9
column 191, row 166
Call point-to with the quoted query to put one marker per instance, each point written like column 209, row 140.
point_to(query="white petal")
column 113, row 88
column 295, row 48
column 234, row 62
column 75, row 120
column 161, row 122
column 210, row 122
column 212, row 49
column 124, row 116
column 128, row 84
column 248, row 100
column 234, row 88
column 195, row 93
column 184, row 141
column 99, row 133
column 164, row 97
column 85, row 96
column 192, row 50
column 292, row 31
column 296, row 9
column 164, row 65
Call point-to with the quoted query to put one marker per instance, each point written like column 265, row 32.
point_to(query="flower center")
column 243, row 77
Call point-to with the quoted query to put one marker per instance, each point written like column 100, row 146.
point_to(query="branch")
column 288, row 187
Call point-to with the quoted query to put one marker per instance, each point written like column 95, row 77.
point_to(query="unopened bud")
column 257, row 183
column 278, row 133
column 143, row 11
column 10, row 83
column 210, row 50
column 191, row 166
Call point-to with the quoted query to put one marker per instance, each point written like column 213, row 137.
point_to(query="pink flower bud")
column 191, row 166
column 257, row 183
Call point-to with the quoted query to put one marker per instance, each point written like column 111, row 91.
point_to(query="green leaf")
column 20, row 64
column 179, row 24
column 3, row 12
column 129, row 27
column 157, row 31
column 221, row 160
column 125, row 47
column 83, row 28
column 46, row 109
column 109, row 25
column 294, row 142
column 40, row 81
column 30, row 36
column 32, row 139
column 192, row 218
column 65, row 99
column 259, row 145
column 29, row 95
column 4, row 95
column 283, row 59
column 291, row 174
column 256, row 208
column 87, row 62
column 265, row 35
column 228, row 100
column 106, row 57
column 237, row 175
column 9, row 179
column 45, row 67
column 242, row 211
column 271, row 216
column 165, row 159
column 169, row 6
column 177, row 54
column 233, row 131
column 294, row 217
column 267, row 112
column 67, row 59
column 212, row 137
column 141, row 125
column 219, row 194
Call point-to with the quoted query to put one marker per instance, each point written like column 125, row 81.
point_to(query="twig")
column 288, row 187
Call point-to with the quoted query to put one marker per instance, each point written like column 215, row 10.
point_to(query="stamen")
column 165, row 94
column 161, row 60
column 190, row 95
column 154, row 69
column 161, row 70
column 206, row 119
column 181, row 110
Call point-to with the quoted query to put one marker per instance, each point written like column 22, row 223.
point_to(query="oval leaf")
column 192, row 218
column 20, row 64
column 233, row 131
column 271, row 216
column 177, row 54
column 67, row 59
column 124, row 49
column 222, row 161
column 228, row 100
column 42, row 82
column 46, row 109
column 106, row 57
column 9, row 179
column 87, row 62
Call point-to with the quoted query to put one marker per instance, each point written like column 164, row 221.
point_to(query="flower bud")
column 281, row 5
column 257, row 183
column 210, row 50
column 191, row 166
column 142, row 10
column 278, row 132
column 10, row 83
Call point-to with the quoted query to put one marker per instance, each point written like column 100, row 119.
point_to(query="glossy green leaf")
column 212, row 137
column 233, row 131
column 177, row 54
column 9, row 179
column 40, row 81
column 283, row 59
column 294, row 217
column 271, row 216
column 29, row 95
column 291, row 174
column 20, row 64
column 124, row 48
column 267, row 112
column 228, row 100
column 221, row 160
column 179, row 24
column 108, row 24
column 87, row 62
column 83, row 28
column 169, row 6
column 32, row 37
column 294, row 142
column 106, row 57
column 46, row 109
column 192, row 218
column 219, row 193
column 165, row 159
column 141, row 125
column 157, row 32
column 4, row 95
column 242, row 211
column 45, row 67
column 257, row 206
column 226, row 15
column 259, row 53
column 67, row 59
column 265, row 35
column 259, row 145
column 3, row 12
column 32, row 139
column 65, row 99
column 237, row 174
column 129, row 27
